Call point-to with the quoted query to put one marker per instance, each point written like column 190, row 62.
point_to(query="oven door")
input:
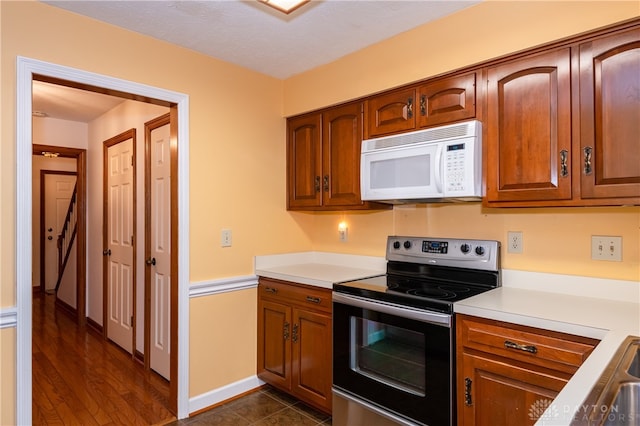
column 394, row 357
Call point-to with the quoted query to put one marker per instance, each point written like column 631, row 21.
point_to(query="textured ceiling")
column 258, row 37
column 246, row 33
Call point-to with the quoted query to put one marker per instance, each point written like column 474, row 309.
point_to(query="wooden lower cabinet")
column 508, row 374
column 295, row 340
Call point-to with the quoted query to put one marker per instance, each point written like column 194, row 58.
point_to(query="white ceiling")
column 255, row 36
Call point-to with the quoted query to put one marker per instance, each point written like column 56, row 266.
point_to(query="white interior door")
column 119, row 220
column 160, row 255
column 58, row 189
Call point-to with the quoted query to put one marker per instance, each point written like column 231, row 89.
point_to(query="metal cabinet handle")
column 312, row 299
column 325, row 182
column 49, row 238
column 564, row 169
column 151, row 261
column 467, row 392
column 526, row 348
column 286, row 331
column 410, row 108
column 423, row 105
column 294, row 336
column 317, row 183
column 588, row 154
column 271, row 290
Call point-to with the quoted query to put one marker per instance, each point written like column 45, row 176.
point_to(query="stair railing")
column 67, row 237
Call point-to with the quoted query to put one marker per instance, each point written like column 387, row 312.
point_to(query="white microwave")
column 433, row 165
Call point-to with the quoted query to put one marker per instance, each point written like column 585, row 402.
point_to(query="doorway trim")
column 25, row 70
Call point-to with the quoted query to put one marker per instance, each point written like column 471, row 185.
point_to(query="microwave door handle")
column 438, row 171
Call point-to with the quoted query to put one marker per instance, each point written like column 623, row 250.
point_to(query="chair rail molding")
column 8, row 317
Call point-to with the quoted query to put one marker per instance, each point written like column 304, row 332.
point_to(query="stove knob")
column 407, row 244
column 396, row 245
column 480, row 250
column 465, row 248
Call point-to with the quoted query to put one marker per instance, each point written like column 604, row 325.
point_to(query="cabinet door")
column 448, row 100
column 274, row 345
column 391, row 113
column 311, row 340
column 494, row 393
column 610, row 117
column 528, row 135
column 341, row 141
column 304, row 161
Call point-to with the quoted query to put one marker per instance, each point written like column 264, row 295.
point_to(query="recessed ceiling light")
column 39, row 114
column 284, row 6
column 49, row 154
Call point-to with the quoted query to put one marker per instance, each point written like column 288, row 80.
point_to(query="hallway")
column 80, row 378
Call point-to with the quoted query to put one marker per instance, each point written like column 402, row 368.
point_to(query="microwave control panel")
column 455, row 166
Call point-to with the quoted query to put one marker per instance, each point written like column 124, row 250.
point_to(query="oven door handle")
column 393, row 309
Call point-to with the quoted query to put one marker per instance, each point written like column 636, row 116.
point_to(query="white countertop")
column 603, row 309
column 610, row 312
column 321, row 269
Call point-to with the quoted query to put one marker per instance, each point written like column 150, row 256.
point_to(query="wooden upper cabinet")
column 391, row 112
column 323, row 160
column 610, row 117
column 437, row 102
column 341, row 144
column 528, row 129
column 304, row 161
column 447, row 100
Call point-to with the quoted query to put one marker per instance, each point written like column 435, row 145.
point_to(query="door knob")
column 151, row 261
column 106, row 252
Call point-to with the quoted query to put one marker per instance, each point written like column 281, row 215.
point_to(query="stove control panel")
column 435, row 247
column 480, row 254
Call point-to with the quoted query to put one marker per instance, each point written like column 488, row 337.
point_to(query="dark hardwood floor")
column 80, row 378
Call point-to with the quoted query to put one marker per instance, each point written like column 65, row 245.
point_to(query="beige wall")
column 237, row 155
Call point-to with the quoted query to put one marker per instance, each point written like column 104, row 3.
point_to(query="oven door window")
column 403, row 365
column 388, row 354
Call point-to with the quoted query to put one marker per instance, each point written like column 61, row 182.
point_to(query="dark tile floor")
column 266, row 406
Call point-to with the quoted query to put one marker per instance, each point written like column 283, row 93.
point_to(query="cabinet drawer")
column 308, row 296
column 557, row 351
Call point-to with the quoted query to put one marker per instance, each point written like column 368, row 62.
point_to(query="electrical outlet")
column 604, row 247
column 225, row 238
column 514, row 242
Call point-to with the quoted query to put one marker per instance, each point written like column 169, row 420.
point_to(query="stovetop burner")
column 431, row 290
column 431, row 275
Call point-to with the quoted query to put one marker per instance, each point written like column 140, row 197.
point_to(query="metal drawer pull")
column 467, row 392
column 564, row 169
column 527, row 348
column 271, row 290
column 313, row 299
column 588, row 153
column 409, row 109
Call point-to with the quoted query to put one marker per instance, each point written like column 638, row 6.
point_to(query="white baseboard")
column 219, row 395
